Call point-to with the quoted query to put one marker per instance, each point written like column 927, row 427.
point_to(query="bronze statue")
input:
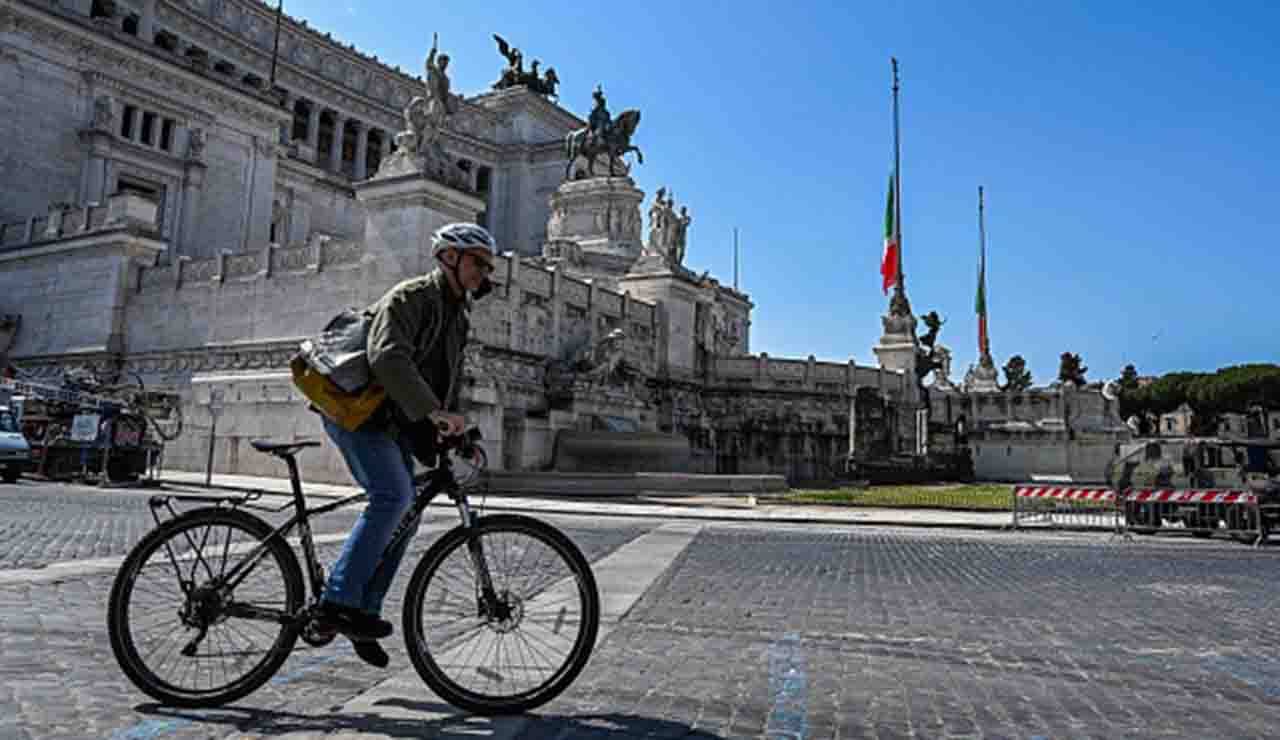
column 512, row 75
column 929, row 359
column 549, row 83
column 599, row 122
column 934, row 322
column 602, row 136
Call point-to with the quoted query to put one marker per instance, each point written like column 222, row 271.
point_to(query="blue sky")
column 1130, row 154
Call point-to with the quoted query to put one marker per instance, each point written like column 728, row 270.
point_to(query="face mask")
column 486, row 287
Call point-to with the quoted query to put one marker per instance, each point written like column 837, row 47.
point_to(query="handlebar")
column 461, row 442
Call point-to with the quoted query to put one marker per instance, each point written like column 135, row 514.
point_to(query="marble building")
column 172, row 213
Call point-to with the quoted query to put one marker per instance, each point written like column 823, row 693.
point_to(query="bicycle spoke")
column 524, row 636
column 241, row 635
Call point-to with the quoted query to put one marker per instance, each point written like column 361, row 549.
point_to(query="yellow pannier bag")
column 348, row 410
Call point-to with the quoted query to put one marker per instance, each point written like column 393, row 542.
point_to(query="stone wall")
column 86, row 111
column 72, row 288
column 43, row 101
column 1062, row 432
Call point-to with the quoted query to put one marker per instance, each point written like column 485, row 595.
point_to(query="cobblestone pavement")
column 59, row 679
column 847, row 634
column 43, row 523
column 776, row 631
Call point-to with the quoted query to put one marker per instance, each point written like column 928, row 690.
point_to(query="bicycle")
column 198, row 649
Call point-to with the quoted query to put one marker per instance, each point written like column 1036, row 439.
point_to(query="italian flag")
column 980, row 305
column 889, row 261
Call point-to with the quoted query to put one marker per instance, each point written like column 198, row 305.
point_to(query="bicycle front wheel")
column 188, row 633
column 520, row 646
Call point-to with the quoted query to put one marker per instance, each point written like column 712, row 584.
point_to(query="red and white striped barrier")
column 1073, row 494
column 1191, row 496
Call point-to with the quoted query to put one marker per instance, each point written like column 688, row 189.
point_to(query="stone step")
column 632, row 484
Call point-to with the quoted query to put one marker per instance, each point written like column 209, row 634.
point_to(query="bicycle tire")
column 123, row 639
column 424, row 655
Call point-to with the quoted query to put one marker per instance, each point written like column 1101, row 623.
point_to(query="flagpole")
column 897, row 175
column 898, row 304
column 983, row 342
column 735, row 258
column 275, row 51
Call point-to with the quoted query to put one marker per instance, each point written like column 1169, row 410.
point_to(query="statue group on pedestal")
column 418, row 146
column 603, row 135
column 668, row 232
column 601, row 363
column 515, row 75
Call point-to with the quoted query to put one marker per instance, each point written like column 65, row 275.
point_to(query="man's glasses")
column 485, row 265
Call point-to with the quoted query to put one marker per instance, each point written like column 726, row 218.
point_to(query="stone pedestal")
column 677, row 295
column 594, row 227
column 984, row 378
column 401, row 213
column 897, row 347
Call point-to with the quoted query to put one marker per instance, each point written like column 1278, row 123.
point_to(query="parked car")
column 15, row 453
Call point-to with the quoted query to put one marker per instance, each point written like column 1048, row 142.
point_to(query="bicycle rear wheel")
column 179, row 634
column 519, row 650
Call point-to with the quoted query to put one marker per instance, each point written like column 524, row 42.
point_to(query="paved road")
column 727, row 630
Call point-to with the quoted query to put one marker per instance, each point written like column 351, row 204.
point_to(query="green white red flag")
column 892, row 241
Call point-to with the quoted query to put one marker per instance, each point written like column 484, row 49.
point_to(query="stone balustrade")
column 533, row 311
column 66, row 221
column 762, row 372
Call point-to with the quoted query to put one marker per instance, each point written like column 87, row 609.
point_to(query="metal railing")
column 1201, row 512
column 1064, row 507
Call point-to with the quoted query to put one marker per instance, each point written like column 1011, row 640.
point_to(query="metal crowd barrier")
column 1066, row 508
column 1202, row 512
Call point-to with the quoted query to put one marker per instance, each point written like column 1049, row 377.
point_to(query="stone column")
column 147, row 23
column 313, row 129
column 192, row 184
column 290, row 100
column 335, row 146
column 362, row 152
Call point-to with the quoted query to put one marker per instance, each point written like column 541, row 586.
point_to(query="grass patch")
column 968, row 497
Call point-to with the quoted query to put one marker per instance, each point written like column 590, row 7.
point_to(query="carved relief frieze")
column 241, row 265
column 290, row 259
column 99, row 53
column 341, row 253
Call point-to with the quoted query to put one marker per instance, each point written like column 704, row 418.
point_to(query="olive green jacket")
column 405, row 333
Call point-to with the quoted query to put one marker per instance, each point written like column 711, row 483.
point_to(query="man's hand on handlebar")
column 450, row 425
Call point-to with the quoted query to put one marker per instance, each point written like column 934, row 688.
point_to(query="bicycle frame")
column 429, row 485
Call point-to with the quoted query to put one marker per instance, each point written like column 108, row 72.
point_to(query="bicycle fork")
column 489, row 606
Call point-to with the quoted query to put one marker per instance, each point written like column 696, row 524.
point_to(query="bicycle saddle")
column 281, row 449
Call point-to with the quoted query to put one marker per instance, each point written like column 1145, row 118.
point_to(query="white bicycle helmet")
column 462, row 236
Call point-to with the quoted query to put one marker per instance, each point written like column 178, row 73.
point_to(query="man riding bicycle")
column 417, row 334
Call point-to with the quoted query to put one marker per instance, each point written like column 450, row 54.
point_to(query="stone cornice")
column 293, row 30
column 521, row 98
column 274, row 353
column 290, row 74
column 128, row 240
column 97, row 50
column 144, row 156
column 415, row 190
column 184, row 111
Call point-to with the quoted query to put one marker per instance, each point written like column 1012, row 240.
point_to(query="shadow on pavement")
column 453, row 724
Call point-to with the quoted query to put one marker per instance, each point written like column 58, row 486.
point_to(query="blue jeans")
column 361, row 577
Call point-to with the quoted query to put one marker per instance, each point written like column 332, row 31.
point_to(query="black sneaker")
column 353, row 623
column 371, row 652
